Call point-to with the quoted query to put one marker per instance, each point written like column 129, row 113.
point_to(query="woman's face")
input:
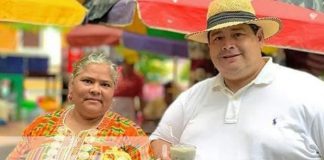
column 92, row 91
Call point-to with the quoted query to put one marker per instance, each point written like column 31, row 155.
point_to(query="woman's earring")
column 69, row 97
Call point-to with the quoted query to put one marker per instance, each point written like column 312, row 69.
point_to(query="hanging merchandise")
column 73, row 55
column 110, row 12
column 8, row 44
column 5, row 87
column 98, row 9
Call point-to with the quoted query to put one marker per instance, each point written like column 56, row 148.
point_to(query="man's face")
column 236, row 51
column 92, row 90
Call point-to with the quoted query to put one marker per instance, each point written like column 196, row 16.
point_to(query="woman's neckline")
column 69, row 112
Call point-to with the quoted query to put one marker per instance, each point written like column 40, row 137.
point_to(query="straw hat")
column 226, row 13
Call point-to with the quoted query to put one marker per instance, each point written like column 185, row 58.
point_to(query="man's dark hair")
column 254, row 28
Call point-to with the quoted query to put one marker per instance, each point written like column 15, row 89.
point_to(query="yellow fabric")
column 8, row 38
column 44, row 12
column 137, row 26
column 270, row 50
column 130, row 56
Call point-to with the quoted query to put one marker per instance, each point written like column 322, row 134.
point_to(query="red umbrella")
column 302, row 28
column 175, row 15
column 93, row 35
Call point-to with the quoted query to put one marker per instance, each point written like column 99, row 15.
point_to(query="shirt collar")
column 266, row 75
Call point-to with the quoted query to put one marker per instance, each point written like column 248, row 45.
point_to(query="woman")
column 87, row 129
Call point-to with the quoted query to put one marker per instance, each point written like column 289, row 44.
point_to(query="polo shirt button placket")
column 232, row 111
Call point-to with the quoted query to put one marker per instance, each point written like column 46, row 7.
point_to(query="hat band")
column 226, row 17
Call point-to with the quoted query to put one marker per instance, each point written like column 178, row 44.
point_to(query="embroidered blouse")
column 48, row 138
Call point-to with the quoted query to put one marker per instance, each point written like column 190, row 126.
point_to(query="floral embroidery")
column 104, row 142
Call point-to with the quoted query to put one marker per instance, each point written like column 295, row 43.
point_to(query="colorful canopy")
column 180, row 16
column 42, row 12
column 138, row 27
column 155, row 45
column 93, row 35
column 302, row 28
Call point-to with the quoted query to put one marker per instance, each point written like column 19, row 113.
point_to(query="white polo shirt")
column 278, row 116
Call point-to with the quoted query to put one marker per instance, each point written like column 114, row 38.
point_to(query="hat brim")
column 270, row 26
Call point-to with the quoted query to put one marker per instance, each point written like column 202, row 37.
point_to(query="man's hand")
column 161, row 149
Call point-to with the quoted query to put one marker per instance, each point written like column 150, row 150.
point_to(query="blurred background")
column 38, row 46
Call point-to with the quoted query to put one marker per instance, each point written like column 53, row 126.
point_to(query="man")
column 128, row 94
column 253, row 109
column 154, row 109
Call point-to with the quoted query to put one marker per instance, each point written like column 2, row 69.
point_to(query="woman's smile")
column 93, row 100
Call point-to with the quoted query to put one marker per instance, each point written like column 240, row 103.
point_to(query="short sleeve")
column 172, row 123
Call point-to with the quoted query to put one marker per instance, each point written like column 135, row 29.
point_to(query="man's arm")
column 170, row 128
column 161, row 149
